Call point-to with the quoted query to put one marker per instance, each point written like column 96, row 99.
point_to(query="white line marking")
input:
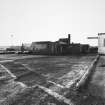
column 56, row 95
column 56, row 84
column 12, row 75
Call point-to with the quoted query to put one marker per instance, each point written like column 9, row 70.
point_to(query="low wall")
column 86, row 78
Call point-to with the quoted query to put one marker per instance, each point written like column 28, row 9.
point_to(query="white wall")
column 101, row 44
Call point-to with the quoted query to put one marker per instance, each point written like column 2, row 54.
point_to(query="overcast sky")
column 40, row 20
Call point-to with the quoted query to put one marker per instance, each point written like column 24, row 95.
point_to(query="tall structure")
column 65, row 40
column 101, row 43
column 69, row 39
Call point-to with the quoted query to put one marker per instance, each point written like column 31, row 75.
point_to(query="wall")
column 101, row 43
column 41, row 47
column 38, row 46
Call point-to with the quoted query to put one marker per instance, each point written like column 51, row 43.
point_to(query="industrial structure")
column 48, row 47
column 61, row 47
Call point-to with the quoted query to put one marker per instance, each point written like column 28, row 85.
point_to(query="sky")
column 25, row 21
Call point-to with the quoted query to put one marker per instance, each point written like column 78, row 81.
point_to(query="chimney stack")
column 69, row 39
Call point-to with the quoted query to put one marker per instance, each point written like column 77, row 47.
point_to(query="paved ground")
column 51, row 80
column 6, row 57
column 97, row 84
column 51, row 68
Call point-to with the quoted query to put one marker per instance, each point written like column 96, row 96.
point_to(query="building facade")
column 101, row 43
column 61, row 47
column 52, row 48
column 42, row 47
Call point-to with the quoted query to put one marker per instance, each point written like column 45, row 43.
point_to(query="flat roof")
column 42, row 42
column 101, row 33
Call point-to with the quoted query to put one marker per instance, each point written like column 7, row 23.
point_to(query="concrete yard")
column 97, row 84
column 51, row 68
column 50, row 80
